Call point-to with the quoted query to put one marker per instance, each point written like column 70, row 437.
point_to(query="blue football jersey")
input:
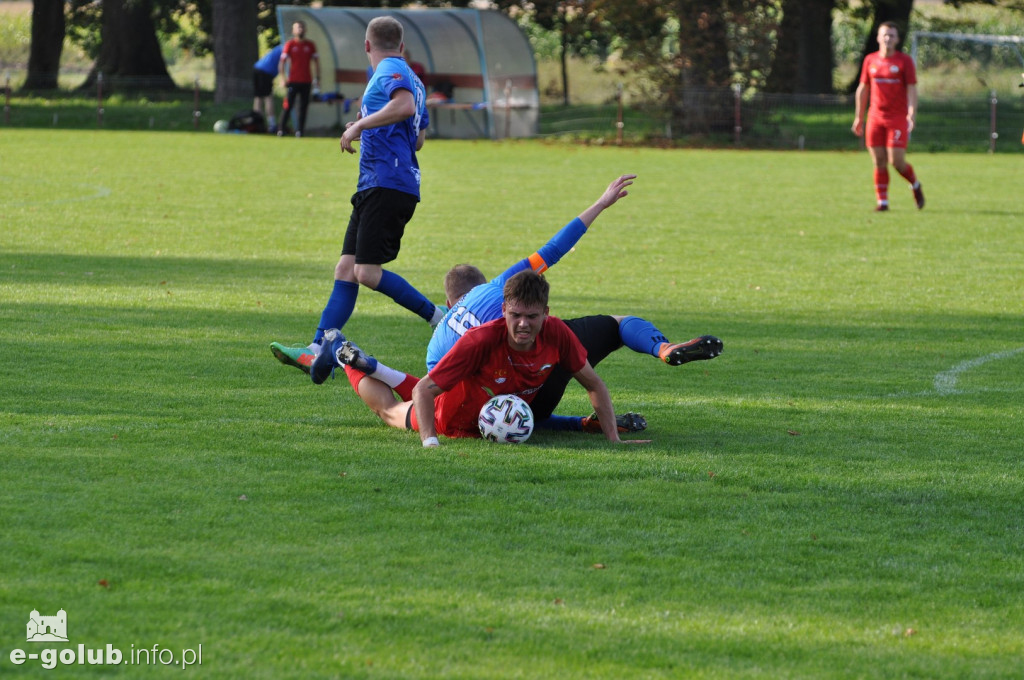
column 387, row 155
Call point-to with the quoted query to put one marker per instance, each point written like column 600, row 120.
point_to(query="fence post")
column 993, row 135
column 99, row 99
column 7, row 98
column 508, row 108
column 738, row 122
column 195, row 106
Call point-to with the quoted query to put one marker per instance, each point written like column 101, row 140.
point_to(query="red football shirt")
column 888, row 78
column 300, row 53
column 482, row 364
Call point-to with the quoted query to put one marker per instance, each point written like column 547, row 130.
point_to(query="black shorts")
column 599, row 335
column 377, row 224
column 262, row 83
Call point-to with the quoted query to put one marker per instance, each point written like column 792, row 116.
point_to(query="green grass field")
column 837, row 496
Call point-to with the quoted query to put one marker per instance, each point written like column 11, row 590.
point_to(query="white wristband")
column 430, row 442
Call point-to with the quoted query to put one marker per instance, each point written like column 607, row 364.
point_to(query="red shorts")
column 455, row 413
column 886, row 133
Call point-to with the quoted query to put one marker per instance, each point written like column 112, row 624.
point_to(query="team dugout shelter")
column 478, row 68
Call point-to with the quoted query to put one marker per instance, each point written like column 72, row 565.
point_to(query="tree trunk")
column 235, row 48
column 705, row 100
column 130, row 56
column 817, row 61
column 48, row 31
column 884, row 10
column 803, row 61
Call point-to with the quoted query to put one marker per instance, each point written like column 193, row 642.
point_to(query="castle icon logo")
column 47, row 628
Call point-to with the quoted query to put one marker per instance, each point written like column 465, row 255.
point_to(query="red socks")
column 882, row 185
column 908, row 174
column 354, row 377
column 404, row 389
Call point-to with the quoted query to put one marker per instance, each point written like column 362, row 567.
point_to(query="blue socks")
column 563, row 423
column 640, row 335
column 399, row 290
column 343, row 300
column 339, row 308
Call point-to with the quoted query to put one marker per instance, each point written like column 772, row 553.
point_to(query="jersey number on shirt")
column 461, row 320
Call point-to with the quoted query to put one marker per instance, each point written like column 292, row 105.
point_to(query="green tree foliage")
column 690, row 53
column 578, row 26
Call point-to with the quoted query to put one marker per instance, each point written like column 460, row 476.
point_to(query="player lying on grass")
column 473, row 300
column 512, row 355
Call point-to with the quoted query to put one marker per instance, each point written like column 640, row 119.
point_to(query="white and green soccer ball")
column 221, row 126
column 506, row 419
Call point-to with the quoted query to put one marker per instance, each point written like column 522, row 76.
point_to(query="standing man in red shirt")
column 296, row 57
column 891, row 78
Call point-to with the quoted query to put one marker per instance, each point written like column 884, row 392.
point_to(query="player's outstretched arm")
column 602, row 403
column 615, row 191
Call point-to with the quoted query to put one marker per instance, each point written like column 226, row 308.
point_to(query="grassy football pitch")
column 839, row 495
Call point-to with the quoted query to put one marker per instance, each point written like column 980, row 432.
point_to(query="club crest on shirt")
column 894, row 68
column 500, row 376
column 396, row 76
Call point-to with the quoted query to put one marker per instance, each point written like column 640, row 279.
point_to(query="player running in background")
column 474, row 301
column 891, row 79
column 391, row 128
column 513, row 355
column 296, row 57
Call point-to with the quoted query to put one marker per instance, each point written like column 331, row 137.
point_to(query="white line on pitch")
column 945, row 382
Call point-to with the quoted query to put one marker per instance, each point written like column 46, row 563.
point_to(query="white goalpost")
column 1013, row 42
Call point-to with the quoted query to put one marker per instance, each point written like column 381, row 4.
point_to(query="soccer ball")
column 506, row 419
column 221, row 126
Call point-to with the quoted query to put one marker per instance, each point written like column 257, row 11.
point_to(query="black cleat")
column 698, row 349
column 627, row 422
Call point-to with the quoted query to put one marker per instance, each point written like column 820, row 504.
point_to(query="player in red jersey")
column 891, row 79
column 511, row 355
column 296, row 57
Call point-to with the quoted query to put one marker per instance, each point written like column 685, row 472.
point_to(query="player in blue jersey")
column 263, row 73
column 391, row 128
column 474, row 301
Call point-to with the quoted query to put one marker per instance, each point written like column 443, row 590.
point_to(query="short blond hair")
column 461, row 279
column 385, row 33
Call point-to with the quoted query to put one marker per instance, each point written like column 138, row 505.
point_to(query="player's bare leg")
column 382, row 401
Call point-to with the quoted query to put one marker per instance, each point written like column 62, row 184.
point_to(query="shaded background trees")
column 47, row 44
column 686, row 55
column 236, row 46
column 803, row 62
